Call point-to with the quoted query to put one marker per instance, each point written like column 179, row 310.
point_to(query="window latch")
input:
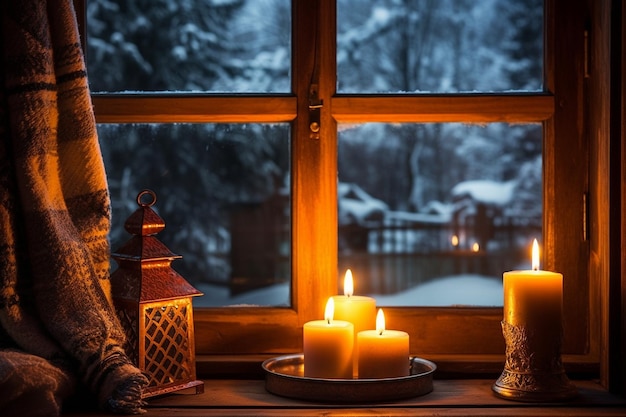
column 315, row 106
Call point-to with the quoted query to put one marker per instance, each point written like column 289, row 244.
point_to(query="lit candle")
column 533, row 297
column 382, row 353
column 533, row 300
column 358, row 310
column 532, row 329
column 328, row 346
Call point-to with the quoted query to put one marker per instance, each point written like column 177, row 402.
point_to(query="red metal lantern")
column 154, row 305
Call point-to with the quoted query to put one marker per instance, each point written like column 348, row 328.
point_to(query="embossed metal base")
column 533, row 370
column 534, row 387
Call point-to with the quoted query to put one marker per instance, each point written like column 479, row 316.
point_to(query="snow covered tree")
column 196, row 170
column 160, row 45
column 445, row 46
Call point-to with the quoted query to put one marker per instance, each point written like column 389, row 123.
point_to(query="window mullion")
column 314, row 168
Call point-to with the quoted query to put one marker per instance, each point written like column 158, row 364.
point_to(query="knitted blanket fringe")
column 58, row 329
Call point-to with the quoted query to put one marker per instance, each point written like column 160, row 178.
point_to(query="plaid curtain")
column 57, row 324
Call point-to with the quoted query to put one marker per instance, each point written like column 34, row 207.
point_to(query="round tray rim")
column 347, row 390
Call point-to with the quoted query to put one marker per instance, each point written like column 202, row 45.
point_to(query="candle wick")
column 535, row 268
column 328, row 320
column 380, row 333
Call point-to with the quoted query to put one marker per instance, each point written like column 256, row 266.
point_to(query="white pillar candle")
column 382, row 353
column 328, row 347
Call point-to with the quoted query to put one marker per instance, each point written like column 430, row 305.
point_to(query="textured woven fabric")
column 54, row 219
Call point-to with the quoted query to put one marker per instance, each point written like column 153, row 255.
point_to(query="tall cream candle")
column 534, row 297
column 533, row 303
column 358, row 310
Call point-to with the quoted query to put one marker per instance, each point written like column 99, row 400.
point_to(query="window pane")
column 194, row 45
column 434, row 214
column 223, row 192
column 439, row 46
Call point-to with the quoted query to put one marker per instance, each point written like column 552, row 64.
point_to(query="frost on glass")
column 432, row 215
column 189, row 45
column 223, row 192
column 439, row 46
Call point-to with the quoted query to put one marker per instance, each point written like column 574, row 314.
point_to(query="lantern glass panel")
column 168, row 358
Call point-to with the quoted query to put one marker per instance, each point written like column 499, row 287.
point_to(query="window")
column 432, row 214
column 446, row 334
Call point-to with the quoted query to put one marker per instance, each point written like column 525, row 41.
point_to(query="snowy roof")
column 485, row 191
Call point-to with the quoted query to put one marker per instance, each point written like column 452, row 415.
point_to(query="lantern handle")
column 149, row 203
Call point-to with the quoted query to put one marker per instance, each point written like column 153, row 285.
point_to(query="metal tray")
column 284, row 376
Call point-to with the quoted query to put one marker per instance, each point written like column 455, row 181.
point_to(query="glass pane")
column 439, row 46
column 223, row 192
column 432, row 215
column 192, row 45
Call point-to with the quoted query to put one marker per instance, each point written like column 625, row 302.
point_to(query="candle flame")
column 330, row 310
column 535, row 256
column 380, row 322
column 475, row 247
column 454, row 240
column 348, row 284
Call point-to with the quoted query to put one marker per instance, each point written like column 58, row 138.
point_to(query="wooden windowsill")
column 465, row 397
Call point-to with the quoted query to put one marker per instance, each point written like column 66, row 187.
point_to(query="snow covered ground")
column 456, row 290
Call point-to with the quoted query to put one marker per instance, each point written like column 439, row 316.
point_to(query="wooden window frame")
column 460, row 340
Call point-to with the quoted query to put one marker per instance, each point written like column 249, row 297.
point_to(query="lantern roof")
column 144, row 273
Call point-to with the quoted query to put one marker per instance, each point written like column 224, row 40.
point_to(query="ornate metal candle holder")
column 533, row 370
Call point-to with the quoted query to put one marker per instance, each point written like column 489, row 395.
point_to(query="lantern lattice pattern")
column 166, row 332
column 154, row 306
